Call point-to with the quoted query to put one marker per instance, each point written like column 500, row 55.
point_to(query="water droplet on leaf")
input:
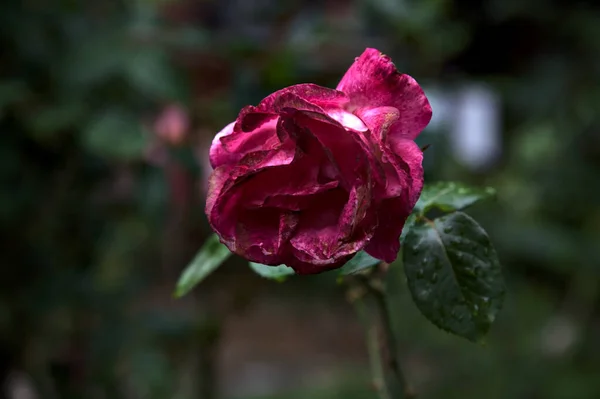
column 424, row 294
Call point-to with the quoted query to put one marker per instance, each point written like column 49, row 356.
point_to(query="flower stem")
column 393, row 360
column 388, row 377
column 373, row 348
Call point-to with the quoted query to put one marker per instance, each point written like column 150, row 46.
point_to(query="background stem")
column 400, row 385
column 373, row 347
column 368, row 295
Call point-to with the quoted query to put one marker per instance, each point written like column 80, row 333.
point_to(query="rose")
column 312, row 175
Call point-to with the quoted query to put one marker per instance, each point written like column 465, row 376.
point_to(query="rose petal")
column 354, row 212
column 251, row 118
column 217, row 181
column 288, row 222
column 401, row 160
column 311, row 175
column 218, row 155
column 221, row 198
column 406, row 158
column 385, row 243
column 412, row 165
column 258, row 160
column 262, row 235
column 317, row 235
column 285, row 197
column 379, row 120
column 252, row 131
column 373, row 81
column 342, row 147
column 311, row 266
column 256, row 234
column 347, row 119
column 319, row 96
column 294, row 186
column 262, row 138
column 226, row 190
column 330, row 232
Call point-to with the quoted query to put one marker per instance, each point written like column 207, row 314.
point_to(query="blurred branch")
column 373, row 346
column 388, row 377
column 565, row 329
column 207, row 370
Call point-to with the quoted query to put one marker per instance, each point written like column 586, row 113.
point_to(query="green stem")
column 373, row 348
column 393, row 361
column 388, row 377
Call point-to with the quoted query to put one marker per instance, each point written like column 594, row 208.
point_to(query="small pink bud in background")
column 172, row 124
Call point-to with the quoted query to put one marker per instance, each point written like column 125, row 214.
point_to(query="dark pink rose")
column 312, row 175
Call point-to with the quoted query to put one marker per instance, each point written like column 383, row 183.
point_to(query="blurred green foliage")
column 100, row 211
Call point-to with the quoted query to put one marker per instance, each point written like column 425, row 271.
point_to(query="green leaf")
column 47, row 121
column 95, row 58
column 450, row 196
column 151, row 72
column 454, row 274
column 185, row 38
column 361, row 261
column 279, row 273
column 12, row 92
column 117, row 135
column 207, row 260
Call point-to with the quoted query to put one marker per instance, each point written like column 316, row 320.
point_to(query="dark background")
column 106, row 112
